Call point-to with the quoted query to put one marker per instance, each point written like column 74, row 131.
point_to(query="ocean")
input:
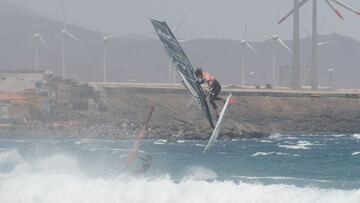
column 280, row 168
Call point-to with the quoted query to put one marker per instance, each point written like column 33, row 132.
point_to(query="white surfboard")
column 218, row 126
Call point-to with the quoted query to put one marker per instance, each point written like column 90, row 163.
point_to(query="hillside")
column 142, row 57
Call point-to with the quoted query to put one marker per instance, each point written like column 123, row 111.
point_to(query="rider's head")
column 198, row 72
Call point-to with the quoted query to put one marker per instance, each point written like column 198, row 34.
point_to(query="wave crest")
column 54, row 188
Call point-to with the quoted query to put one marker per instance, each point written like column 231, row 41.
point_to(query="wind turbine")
column 277, row 41
column 331, row 78
column 245, row 45
column 39, row 40
column 106, row 38
column 319, row 43
column 253, row 73
column 65, row 34
column 314, row 55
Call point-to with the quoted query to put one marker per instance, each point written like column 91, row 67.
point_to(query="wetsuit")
column 214, row 86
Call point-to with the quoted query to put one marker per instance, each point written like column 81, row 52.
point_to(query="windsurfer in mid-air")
column 214, row 87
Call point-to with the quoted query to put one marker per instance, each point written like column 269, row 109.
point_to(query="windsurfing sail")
column 218, row 126
column 136, row 147
column 183, row 66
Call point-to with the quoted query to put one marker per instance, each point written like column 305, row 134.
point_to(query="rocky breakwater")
column 257, row 113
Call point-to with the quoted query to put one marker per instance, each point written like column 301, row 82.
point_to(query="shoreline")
column 258, row 113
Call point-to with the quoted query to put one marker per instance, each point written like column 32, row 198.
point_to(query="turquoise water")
column 281, row 168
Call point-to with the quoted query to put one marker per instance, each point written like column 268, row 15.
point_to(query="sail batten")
column 183, row 66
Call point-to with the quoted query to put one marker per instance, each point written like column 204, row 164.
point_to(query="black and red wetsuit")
column 214, row 86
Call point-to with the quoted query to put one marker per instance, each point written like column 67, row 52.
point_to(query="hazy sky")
column 206, row 18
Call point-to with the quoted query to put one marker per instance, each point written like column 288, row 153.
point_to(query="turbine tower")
column 331, row 78
column 245, row 44
column 39, row 40
column 106, row 38
column 277, row 41
column 314, row 55
column 323, row 43
column 296, row 83
column 64, row 35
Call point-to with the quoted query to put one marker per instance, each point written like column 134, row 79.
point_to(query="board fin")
column 218, row 126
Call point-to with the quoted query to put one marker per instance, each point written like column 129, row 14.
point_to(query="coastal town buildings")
column 37, row 95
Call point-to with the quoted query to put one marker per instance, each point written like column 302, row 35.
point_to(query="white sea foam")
column 65, row 189
column 272, row 153
column 299, row 145
column 357, row 136
column 83, row 141
column 266, row 141
column 69, row 185
column 276, row 136
column 355, row 153
column 10, row 156
column 159, row 143
column 200, row 173
column 262, row 154
column 13, row 159
column 278, row 178
column 199, row 145
column 59, row 164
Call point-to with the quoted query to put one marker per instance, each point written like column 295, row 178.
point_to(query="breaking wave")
column 200, row 173
column 58, row 178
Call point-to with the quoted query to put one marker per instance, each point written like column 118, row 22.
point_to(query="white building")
column 20, row 80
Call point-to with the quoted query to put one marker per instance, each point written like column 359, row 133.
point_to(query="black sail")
column 183, row 66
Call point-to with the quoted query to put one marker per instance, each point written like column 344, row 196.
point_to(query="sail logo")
column 164, row 35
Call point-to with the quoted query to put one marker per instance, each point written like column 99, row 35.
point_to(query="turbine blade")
column 183, row 40
column 332, row 69
column 286, row 16
column 282, row 43
column 334, row 9
column 292, row 11
column 179, row 24
column 323, row 43
column 115, row 35
column 43, row 41
column 56, row 38
column 252, row 48
column 99, row 31
column 64, row 14
column 343, row 4
column 306, row 32
column 277, row 24
column 74, row 37
column 245, row 31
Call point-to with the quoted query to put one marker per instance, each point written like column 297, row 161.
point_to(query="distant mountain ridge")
column 7, row 8
column 142, row 57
